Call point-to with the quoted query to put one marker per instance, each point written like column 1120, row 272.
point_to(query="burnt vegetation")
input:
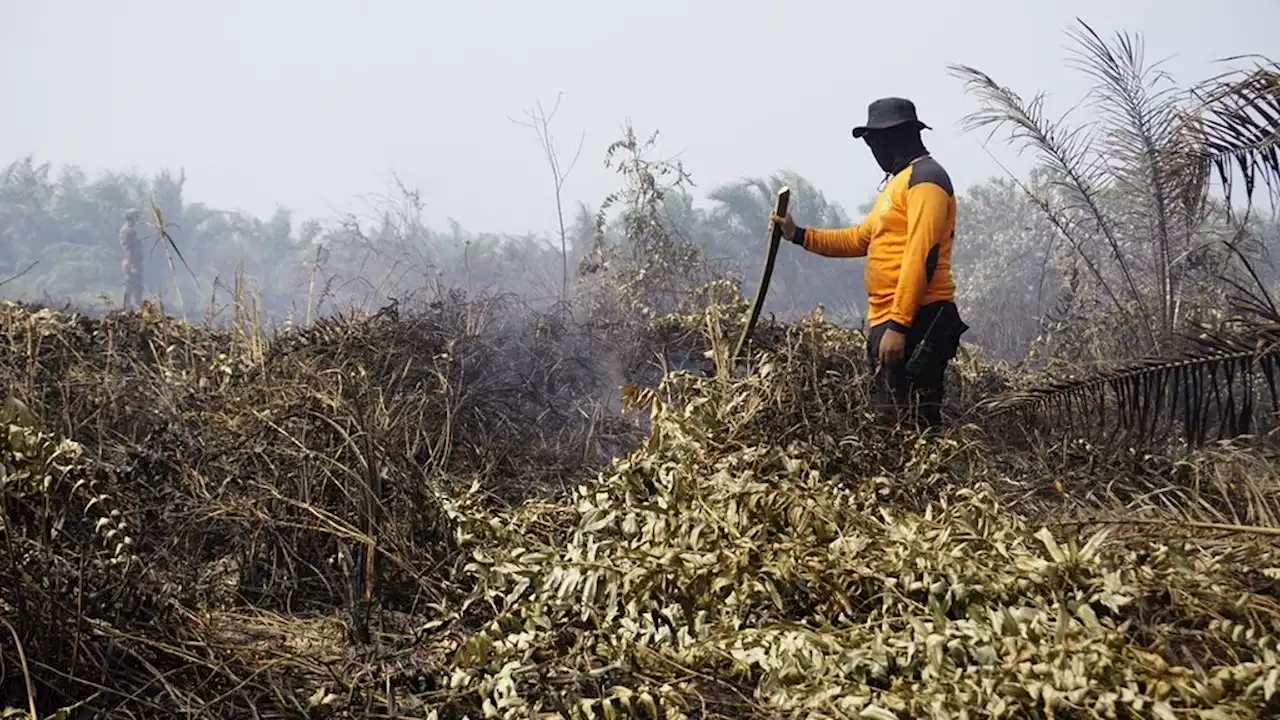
column 333, row 497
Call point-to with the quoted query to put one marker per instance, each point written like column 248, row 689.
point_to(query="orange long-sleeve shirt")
column 906, row 239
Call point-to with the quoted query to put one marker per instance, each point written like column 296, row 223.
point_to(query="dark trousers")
column 914, row 390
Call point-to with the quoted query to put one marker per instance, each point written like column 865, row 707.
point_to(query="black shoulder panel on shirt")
column 928, row 170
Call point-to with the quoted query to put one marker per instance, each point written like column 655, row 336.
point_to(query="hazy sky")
column 314, row 104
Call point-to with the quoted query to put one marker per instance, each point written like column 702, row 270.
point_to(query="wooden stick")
column 775, row 239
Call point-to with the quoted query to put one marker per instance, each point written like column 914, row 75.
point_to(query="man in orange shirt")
column 915, row 327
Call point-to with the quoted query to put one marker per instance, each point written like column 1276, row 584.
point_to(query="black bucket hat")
column 889, row 112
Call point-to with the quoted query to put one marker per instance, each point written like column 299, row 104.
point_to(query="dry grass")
column 415, row 514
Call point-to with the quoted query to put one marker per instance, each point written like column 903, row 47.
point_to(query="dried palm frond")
column 1226, row 374
column 1228, row 379
column 1239, row 121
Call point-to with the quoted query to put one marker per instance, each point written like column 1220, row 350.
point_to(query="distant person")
column 915, row 327
column 132, row 264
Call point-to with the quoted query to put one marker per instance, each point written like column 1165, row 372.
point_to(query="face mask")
column 882, row 148
column 894, row 148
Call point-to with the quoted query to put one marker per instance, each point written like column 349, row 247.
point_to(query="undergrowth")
column 444, row 510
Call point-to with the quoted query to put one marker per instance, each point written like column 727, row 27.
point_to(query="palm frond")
column 1221, row 384
column 162, row 232
column 1239, row 121
column 1077, row 171
column 1138, row 108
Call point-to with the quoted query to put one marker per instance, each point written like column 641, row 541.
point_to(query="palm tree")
column 801, row 281
column 1130, row 192
column 1129, row 187
column 744, row 206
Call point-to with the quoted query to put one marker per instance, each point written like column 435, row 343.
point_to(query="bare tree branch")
column 19, row 274
column 539, row 121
